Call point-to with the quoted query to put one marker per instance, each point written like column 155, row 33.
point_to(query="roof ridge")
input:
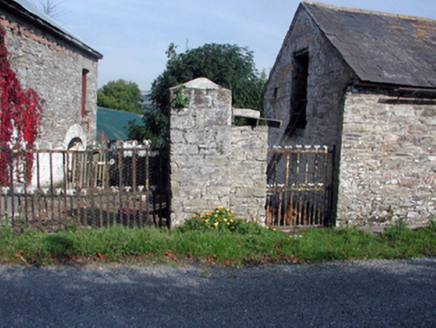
column 366, row 11
column 26, row 9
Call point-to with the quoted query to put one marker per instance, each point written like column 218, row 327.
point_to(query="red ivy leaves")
column 20, row 108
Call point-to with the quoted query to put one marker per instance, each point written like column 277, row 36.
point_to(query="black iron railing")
column 94, row 187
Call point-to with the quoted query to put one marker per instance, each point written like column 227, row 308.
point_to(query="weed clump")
column 223, row 220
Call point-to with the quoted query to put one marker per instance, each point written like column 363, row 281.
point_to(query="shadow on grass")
column 58, row 246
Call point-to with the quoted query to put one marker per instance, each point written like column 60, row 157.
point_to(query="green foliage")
column 221, row 219
column 207, row 238
column 230, row 66
column 154, row 128
column 179, row 101
column 120, row 95
column 338, row 244
column 407, row 243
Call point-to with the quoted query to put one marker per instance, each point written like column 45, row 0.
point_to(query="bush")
column 223, row 220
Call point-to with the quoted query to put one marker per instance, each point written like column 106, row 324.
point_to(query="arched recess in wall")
column 75, row 139
column 74, row 135
column 75, row 144
column 74, row 164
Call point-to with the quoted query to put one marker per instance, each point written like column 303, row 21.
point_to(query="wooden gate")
column 300, row 186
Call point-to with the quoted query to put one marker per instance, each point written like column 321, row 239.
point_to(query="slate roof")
column 379, row 47
column 28, row 11
column 113, row 123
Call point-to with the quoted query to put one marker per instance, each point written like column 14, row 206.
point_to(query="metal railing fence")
column 299, row 186
column 94, row 187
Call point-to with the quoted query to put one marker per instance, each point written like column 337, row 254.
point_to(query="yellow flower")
column 201, row 214
column 225, row 220
column 228, row 223
column 266, row 227
column 274, row 229
column 215, row 224
column 231, row 212
column 206, row 221
column 219, row 208
column 231, row 221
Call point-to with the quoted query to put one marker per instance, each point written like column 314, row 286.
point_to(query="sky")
column 133, row 35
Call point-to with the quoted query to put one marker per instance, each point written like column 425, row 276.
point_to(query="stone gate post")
column 212, row 163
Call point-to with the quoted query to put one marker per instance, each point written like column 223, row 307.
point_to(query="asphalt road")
column 357, row 294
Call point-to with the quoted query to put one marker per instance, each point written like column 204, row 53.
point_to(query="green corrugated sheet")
column 114, row 123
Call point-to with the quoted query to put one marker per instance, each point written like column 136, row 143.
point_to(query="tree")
column 120, row 95
column 49, row 7
column 230, row 66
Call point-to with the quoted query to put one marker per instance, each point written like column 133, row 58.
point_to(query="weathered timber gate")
column 94, row 187
column 300, row 186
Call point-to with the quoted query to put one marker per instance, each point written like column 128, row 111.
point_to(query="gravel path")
column 356, row 294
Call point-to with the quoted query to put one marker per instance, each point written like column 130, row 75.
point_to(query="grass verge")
column 252, row 245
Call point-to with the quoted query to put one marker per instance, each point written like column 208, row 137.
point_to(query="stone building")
column 363, row 83
column 59, row 67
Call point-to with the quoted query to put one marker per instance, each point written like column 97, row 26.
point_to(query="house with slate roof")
column 60, row 67
column 364, row 84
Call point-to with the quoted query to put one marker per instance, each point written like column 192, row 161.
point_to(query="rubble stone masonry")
column 388, row 160
column 54, row 70
column 212, row 162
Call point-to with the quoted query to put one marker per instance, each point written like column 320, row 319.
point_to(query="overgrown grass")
column 250, row 244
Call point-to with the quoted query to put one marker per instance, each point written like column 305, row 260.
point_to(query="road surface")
column 356, row 294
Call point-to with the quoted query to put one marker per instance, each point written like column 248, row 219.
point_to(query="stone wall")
column 212, row 163
column 248, row 155
column 388, row 163
column 53, row 69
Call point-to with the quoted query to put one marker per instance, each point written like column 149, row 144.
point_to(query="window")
column 84, row 91
column 299, row 91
